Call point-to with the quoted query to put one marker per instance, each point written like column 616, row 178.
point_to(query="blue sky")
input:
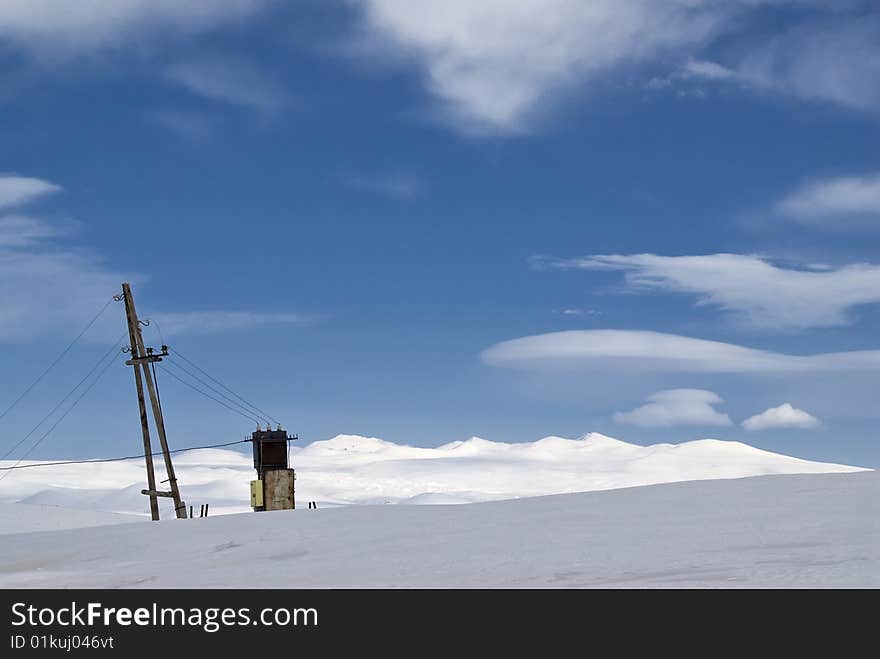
column 426, row 221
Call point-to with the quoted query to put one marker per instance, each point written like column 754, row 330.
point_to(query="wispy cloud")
column 59, row 26
column 39, row 273
column 659, row 352
column 707, row 70
column 677, row 407
column 577, row 312
column 399, row 186
column 20, row 190
column 751, row 287
column 41, row 269
column 24, row 231
column 784, row 416
column 827, row 59
column 692, row 71
column 229, row 80
column 187, row 125
column 833, row 201
column 210, row 322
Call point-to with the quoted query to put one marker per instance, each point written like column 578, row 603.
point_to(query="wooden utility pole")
column 141, row 359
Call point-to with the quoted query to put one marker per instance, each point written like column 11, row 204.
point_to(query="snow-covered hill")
column 791, row 531
column 351, row 469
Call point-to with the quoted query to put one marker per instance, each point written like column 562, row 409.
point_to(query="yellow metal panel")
column 256, row 494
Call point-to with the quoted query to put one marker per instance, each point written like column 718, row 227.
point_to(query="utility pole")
column 141, row 359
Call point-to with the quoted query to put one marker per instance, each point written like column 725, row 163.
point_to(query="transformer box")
column 274, row 487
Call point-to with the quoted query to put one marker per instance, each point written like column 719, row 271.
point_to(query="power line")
column 264, row 414
column 119, row 459
column 219, row 393
column 57, row 359
column 238, row 409
column 70, row 393
column 216, row 400
column 66, row 412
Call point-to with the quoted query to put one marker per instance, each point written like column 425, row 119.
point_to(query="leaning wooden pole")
column 141, row 358
column 133, row 333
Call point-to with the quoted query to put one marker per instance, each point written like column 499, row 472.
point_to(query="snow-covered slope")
column 792, row 531
column 351, row 469
column 20, row 518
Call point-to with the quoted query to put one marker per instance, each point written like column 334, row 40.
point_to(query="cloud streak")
column 613, row 349
column 20, row 190
column 830, row 59
column 747, row 286
column 38, row 271
column 229, row 80
column 398, row 186
column 833, row 200
column 59, row 26
column 210, row 322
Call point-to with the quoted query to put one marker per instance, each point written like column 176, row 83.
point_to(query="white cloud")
column 494, row 63
column 195, row 322
column 612, row 349
column 784, row 416
column 400, row 186
column 70, row 27
column 677, row 407
column 706, row 69
column 830, row 59
column 19, row 190
column 577, row 312
column 833, row 199
column 228, row 80
column 749, row 286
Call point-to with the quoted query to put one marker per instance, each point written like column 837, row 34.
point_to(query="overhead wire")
column 72, row 406
column 248, row 411
column 244, row 408
column 216, row 400
column 61, row 402
column 265, row 415
column 61, row 356
column 121, row 458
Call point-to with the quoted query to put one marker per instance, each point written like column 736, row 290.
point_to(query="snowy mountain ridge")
column 351, row 469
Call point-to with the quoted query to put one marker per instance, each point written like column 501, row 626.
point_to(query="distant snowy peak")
column 474, row 445
column 353, row 443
